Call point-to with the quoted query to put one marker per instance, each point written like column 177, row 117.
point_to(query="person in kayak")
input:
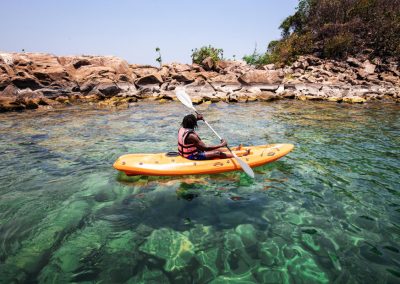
column 192, row 147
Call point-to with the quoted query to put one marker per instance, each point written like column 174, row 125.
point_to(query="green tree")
column 158, row 59
column 339, row 28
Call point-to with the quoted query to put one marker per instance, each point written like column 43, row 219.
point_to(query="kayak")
column 171, row 164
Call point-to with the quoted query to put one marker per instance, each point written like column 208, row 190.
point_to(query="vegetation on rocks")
column 199, row 55
column 257, row 58
column 339, row 28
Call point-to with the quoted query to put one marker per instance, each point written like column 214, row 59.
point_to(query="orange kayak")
column 163, row 164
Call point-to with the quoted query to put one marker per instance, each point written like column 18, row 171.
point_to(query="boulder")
column 268, row 87
column 127, row 89
column 252, row 97
column 9, row 91
column 208, row 63
column 353, row 62
column 200, row 87
column 87, row 87
column 8, row 99
column 167, row 95
column 229, row 78
column 238, row 97
column 185, row 77
column 179, row 68
column 386, row 76
column 206, row 75
column 151, row 79
column 165, row 73
column 223, row 64
column 10, row 104
column 13, row 99
column 267, row 96
column 261, row 77
column 226, row 88
column 306, row 89
column 269, row 67
column 252, row 90
column 81, row 62
column 96, row 74
column 108, row 90
column 369, row 68
column 23, row 82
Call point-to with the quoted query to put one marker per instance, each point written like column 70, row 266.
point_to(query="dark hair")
column 189, row 121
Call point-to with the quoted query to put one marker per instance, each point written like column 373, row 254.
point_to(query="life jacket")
column 185, row 149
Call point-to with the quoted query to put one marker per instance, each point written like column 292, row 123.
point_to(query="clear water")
column 327, row 212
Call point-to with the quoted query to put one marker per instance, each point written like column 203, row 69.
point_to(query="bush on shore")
column 339, row 28
column 198, row 55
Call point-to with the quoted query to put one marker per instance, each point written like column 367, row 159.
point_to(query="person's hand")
column 200, row 116
column 224, row 143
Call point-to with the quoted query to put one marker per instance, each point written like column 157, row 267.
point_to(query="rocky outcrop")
column 39, row 81
column 262, row 77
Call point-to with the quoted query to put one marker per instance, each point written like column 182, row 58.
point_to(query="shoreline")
column 44, row 81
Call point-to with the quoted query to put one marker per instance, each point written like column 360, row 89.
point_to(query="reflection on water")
column 327, row 212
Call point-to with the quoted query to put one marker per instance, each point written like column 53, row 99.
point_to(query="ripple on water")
column 328, row 212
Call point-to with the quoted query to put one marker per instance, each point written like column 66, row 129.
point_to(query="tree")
column 339, row 28
column 158, row 59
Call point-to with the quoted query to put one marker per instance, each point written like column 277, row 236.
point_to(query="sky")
column 133, row 29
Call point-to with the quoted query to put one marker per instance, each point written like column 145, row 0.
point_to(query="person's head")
column 189, row 121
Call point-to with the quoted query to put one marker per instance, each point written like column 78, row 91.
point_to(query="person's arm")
column 193, row 139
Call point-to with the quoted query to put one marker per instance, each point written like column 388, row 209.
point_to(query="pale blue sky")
column 133, row 29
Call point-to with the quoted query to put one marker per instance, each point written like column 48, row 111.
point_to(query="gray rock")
column 353, row 62
column 108, row 90
column 149, row 80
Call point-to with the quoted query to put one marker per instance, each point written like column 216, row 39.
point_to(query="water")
column 327, row 212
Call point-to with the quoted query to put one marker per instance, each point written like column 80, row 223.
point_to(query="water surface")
column 327, row 212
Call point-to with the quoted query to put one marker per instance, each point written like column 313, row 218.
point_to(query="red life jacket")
column 185, row 149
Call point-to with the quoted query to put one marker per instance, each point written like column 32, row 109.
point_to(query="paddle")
column 184, row 98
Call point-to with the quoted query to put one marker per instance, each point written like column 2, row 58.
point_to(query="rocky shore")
column 44, row 81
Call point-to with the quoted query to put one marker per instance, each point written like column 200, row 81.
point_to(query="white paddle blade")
column 184, row 98
column 245, row 167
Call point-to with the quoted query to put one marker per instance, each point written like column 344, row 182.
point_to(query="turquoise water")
column 327, row 212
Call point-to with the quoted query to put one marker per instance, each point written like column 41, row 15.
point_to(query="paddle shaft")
column 215, row 132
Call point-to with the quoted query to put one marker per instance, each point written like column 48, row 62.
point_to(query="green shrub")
column 286, row 51
column 256, row 59
column 198, row 55
column 337, row 46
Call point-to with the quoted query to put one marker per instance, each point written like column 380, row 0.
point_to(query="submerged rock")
column 76, row 253
column 150, row 276
column 52, row 229
column 247, row 233
column 175, row 248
